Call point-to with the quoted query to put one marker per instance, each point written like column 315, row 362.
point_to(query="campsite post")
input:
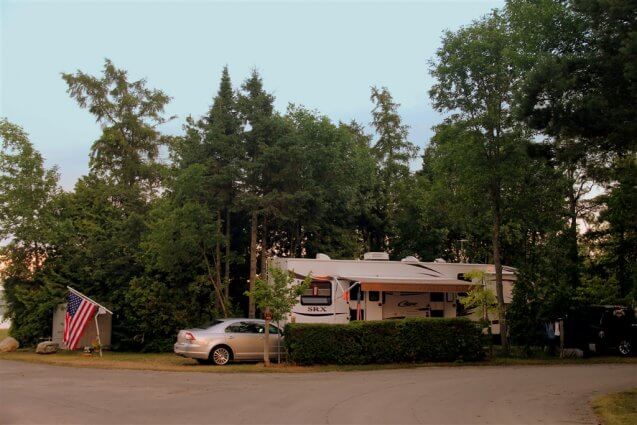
column 97, row 328
column 267, row 315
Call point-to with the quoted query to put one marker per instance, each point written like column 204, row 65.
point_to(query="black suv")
column 602, row 329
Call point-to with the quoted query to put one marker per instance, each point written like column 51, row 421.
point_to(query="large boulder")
column 47, row 347
column 9, row 344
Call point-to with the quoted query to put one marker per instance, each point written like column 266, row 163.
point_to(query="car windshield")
column 208, row 324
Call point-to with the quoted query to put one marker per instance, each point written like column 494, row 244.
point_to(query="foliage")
column 475, row 79
column 30, row 304
column 27, row 190
column 129, row 112
column 279, row 293
column 393, row 152
column 480, row 299
column 580, row 87
column 409, row 340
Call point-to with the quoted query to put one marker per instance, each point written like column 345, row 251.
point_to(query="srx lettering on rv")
column 317, row 309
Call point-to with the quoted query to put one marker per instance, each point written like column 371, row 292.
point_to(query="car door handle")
column 230, row 337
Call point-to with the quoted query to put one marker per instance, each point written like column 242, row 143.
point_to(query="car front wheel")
column 220, row 355
column 625, row 347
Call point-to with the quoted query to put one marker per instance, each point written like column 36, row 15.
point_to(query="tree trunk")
column 218, row 258
column 228, row 242
column 278, row 344
column 264, row 248
column 293, row 241
column 572, row 236
column 253, row 263
column 297, row 241
column 497, row 221
column 622, row 264
column 216, row 288
column 266, row 342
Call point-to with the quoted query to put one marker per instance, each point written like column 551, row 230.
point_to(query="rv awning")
column 408, row 284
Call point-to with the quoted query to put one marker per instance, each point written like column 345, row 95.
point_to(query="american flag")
column 79, row 311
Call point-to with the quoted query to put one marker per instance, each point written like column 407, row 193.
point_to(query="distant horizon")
column 322, row 56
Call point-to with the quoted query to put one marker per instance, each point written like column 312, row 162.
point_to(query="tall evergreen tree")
column 129, row 113
column 393, row 152
column 214, row 143
column 257, row 112
column 105, row 218
column 224, row 131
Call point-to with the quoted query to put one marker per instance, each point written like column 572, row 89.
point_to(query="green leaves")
column 389, row 341
column 129, row 113
column 27, row 193
column 279, row 293
column 480, row 298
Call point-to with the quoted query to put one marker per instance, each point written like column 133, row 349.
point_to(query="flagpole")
column 97, row 327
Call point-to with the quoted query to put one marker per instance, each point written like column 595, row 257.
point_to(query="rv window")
column 437, row 296
column 319, row 293
column 353, row 293
column 374, row 295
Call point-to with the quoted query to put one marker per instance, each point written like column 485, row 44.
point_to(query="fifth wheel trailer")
column 378, row 289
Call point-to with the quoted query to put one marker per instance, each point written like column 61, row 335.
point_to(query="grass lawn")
column 617, row 409
column 172, row 363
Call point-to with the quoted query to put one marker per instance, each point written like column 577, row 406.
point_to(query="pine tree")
column 257, row 113
column 393, row 152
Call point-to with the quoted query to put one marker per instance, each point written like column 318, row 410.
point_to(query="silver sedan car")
column 226, row 340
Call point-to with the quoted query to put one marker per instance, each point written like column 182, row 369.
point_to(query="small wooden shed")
column 90, row 334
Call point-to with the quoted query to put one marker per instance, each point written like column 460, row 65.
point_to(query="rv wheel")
column 625, row 347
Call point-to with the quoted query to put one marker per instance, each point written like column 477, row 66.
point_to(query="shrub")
column 409, row 340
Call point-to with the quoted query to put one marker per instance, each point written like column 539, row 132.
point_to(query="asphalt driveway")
column 33, row 393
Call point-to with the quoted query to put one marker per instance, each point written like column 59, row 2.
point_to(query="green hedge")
column 389, row 341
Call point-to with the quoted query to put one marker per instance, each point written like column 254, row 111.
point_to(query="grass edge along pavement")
column 616, row 408
column 169, row 362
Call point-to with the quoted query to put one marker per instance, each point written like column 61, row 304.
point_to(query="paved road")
column 32, row 393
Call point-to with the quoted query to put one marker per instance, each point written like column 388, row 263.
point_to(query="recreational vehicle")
column 377, row 289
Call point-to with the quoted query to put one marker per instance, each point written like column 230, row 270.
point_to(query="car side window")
column 256, row 328
column 259, row 328
column 249, row 328
column 240, row 327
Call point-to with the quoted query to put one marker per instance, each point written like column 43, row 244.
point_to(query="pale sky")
column 324, row 56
